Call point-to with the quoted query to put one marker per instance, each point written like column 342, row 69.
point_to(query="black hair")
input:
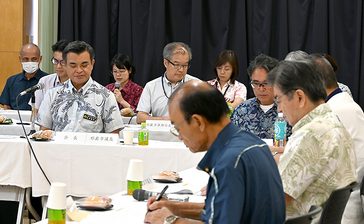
column 326, row 70
column 262, row 61
column 207, row 102
column 60, row 45
column 228, row 56
column 78, row 47
column 123, row 61
column 292, row 75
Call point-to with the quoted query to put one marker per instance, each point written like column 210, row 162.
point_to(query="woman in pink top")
column 127, row 92
column 226, row 71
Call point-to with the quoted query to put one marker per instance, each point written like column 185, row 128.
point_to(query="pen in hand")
column 160, row 195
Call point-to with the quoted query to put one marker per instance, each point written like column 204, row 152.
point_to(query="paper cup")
column 128, row 136
column 57, row 196
column 135, row 170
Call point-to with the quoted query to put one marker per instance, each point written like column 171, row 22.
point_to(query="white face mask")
column 30, row 67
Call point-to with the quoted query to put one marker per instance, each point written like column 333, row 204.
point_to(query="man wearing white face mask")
column 30, row 59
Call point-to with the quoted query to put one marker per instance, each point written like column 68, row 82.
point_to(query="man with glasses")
column 81, row 104
column 153, row 101
column 257, row 115
column 319, row 156
column 30, row 59
column 55, row 79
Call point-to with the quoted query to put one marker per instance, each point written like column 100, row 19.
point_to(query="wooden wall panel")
column 11, row 38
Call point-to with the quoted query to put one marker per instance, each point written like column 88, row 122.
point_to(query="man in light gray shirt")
column 154, row 99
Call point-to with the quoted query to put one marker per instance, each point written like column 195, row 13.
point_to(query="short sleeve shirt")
column 91, row 109
column 318, row 158
column 49, row 82
column 155, row 95
column 244, row 180
column 229, row 90
column 131, row 93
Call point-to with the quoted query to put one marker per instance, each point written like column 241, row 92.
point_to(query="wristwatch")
column 170, row 219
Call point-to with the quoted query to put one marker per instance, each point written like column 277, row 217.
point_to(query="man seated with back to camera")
column 319, row 156
column 257, row 115
column 244, row 184
column 352, row 117
column 81, row 104
column 153, row 101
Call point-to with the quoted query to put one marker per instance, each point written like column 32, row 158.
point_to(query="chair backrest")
column 306, row 218
column 362, row 193
column 333, row 208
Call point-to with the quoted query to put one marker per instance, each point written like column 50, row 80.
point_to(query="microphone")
column 143, row 195
column 117, row 85
column 32, row 89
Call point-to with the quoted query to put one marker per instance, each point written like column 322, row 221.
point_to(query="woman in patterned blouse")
column 127, row 92
column 226, row 70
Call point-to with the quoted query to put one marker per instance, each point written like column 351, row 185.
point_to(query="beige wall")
column 11, row 38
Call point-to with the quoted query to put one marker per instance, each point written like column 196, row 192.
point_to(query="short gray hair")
column 297, row 56
column 176, row 48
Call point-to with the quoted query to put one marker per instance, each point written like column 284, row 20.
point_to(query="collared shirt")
column 49, row 82
column 130, row 92
column 91, row 109
column 155, row 95
column 15, row 85
column 333, row 93
column 317, row 159
column 345, row 88
column 229, row 90
column 244, row 180
column 250, row 117
column 352, row 117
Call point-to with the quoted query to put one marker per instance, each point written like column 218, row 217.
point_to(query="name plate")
column 70, row 137
column 102, row 138
column 158, row 124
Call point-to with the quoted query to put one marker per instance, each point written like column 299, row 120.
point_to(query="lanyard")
column 164, row 90
column 225, row 89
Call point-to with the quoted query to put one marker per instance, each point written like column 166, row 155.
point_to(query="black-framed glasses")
column 256, row 84
column 56, row 62
column 177, row 66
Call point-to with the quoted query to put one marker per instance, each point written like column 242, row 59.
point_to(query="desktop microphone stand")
column 32, row 117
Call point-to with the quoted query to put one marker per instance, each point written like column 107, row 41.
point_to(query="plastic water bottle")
column 143, row 135
column 280, row 127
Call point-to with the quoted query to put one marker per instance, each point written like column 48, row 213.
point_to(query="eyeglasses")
column 256, row 84
column 174, row 131
column 177, row 66
column 56, row 62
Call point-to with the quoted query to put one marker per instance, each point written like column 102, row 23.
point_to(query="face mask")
column 30, row 67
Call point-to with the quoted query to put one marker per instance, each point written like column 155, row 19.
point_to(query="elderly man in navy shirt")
column 244, row 184
column 30, row 59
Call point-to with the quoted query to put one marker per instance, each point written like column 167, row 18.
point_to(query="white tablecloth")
column 101, row 170
column 16, row 129
column 128, row 210
column 15, row 162
column 13, row 114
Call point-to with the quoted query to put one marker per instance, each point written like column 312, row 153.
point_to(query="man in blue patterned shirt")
column 82, row 104
column 257, row 115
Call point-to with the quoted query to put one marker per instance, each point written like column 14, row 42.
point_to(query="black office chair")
column 362, row 193
column 306, row 218
column 334, row 207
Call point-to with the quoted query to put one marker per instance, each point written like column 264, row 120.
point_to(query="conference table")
column 101, row 169
column 13, row 114
column 127, row 210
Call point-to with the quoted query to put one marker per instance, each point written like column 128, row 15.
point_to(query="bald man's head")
column 30, row 48
column 198, row 97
